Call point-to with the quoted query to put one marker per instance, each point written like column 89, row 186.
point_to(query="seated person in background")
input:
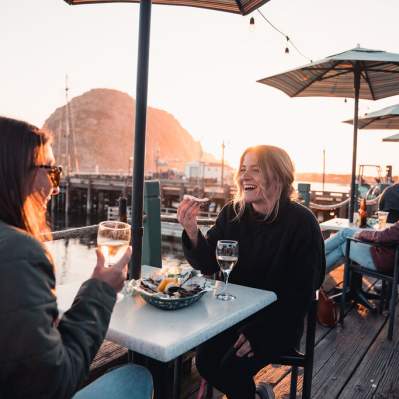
column 280, row 249
column 374, row 258
column 42, row 356
column 389, row 202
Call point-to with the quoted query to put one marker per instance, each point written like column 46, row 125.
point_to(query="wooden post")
column 100, row 204
column 152, row 225
column 67, row 195
column 182, row 191
column 304, row 193
column 88, row 199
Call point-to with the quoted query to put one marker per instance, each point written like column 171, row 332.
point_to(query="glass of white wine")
column 227, row 257
column 113, row 238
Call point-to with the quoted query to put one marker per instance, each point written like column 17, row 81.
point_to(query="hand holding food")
column 196, row 199
column 187, row 215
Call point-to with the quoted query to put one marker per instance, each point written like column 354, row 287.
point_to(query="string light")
column 252, row 24
column 289, row 41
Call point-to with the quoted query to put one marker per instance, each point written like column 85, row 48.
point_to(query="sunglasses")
column 54, row 173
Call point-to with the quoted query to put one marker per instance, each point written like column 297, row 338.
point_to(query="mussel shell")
column 171, row 288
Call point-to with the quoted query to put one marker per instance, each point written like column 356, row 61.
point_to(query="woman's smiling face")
column 251, row 179
column 260, row 190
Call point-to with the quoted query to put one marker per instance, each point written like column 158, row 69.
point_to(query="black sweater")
column 285, row 256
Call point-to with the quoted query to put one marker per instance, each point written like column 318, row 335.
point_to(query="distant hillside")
column 102, row 126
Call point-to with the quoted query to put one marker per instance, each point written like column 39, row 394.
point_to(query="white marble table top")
column 164, row 335
column 338, row 224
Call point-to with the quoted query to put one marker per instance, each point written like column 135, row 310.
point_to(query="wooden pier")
column 91, row 192
column 351, row 362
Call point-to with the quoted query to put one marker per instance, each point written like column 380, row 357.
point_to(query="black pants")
column 218, row 363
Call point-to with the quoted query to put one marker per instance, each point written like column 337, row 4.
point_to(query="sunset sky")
column 203, row 69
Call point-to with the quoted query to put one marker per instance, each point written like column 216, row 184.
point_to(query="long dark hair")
column 21, row 145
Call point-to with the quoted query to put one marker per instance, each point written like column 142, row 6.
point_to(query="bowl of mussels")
column 171, row 292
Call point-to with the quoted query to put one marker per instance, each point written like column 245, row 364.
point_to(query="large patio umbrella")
column 385, row 118
column 357, row 73
column 242, row 7
column 393, row 139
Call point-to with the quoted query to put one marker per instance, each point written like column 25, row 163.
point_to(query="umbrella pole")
column 139, row 138
column 355, row 121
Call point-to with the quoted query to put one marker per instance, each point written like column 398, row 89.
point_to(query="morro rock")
column 101, row 130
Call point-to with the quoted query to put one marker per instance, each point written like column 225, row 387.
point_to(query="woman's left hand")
column 243, row 347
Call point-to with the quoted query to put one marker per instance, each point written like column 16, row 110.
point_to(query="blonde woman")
column 280, row 249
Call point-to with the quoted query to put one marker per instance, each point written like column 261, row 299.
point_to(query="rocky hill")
column 101, row 131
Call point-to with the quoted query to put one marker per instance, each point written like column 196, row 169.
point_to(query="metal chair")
column 390, row 279
column 297, row 359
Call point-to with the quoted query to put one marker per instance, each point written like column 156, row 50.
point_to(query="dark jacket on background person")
column 285, row 256
column 38, row 358
column 383, row 257
column 389, row 202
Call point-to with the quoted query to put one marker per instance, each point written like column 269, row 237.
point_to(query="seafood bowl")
column 179, row 295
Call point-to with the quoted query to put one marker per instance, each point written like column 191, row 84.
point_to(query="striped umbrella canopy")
column 357, row 73
column 385, row 118
column 242, row 7
column 393, row 139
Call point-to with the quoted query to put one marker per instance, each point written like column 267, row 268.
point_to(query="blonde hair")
column 278, row 171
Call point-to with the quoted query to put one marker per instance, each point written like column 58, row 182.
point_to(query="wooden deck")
column 355, row 361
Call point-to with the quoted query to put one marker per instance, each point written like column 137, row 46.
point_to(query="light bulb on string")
column 252, row 24
column 287, row 50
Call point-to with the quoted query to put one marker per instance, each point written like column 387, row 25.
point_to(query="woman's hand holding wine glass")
column 227, row 257
column 113, row 253
column 114, row 276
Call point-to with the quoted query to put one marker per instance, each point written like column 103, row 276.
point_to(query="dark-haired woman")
column 41, row 356
column 280, row 249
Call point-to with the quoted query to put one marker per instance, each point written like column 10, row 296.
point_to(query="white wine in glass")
column 227, row 257
column 113, row 238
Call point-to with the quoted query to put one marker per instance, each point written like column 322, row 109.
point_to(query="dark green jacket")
column 37, row 358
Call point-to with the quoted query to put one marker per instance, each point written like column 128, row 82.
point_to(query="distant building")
column 209, row 171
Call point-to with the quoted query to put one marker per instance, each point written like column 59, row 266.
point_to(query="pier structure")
column 87, row 192
column 96, row 192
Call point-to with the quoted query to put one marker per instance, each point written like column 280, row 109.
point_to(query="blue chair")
column 352, row 269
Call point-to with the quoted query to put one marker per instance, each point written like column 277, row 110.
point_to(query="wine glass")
column 113, row 238
column 227, row 257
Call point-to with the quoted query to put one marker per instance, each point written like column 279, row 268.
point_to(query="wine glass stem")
column 226, row 281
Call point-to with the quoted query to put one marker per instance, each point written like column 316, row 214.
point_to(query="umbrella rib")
column 368, row 123
column 239, row 5
column 364, row 73
column 337, row 74
column 382, row 70
column 313, row 80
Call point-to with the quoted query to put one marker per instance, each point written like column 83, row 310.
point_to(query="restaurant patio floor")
column 355, row 361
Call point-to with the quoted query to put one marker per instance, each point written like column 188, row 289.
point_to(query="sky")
column 203, row 69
